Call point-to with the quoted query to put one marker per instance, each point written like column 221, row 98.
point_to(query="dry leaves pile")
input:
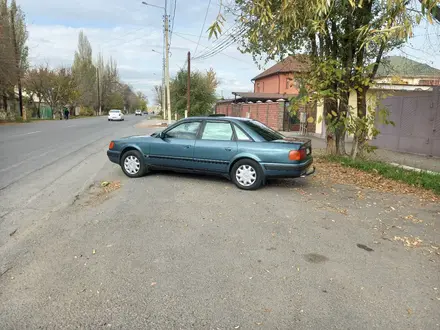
column 336, row 173
column 409, row 241
column 111, row 186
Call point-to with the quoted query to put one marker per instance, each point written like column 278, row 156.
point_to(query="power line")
column 221, row 40
column 235, row 58
column 123, row 38
column 221, row 46
column 203, row 27
column 172, row 20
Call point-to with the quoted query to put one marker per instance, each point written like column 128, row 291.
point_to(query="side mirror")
column 161, row 135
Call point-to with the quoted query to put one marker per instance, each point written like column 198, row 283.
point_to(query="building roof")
column 404, row 67
column 297, row 63
column 262, row 96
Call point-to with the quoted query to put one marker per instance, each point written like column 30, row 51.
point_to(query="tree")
column 13, row 49
column 61, row 89
column 143, row 101
column 344, row 40
column 36, row 83
column 158, row 95
column 84, row 72
column 109, row 84
column 203, row 97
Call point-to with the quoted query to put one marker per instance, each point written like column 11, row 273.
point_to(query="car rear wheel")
column 247, row 174
column 133, row 164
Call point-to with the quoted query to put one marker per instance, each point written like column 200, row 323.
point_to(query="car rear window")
column 267, row 133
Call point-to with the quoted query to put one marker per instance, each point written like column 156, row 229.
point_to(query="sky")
column 132, row 34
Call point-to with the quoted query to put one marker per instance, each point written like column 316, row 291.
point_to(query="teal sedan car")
column 243, row 150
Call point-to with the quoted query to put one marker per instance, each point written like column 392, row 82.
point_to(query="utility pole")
column 163, row 89
column 99, row 92
column 188, row 87
column 17, row 62
column 167, row 67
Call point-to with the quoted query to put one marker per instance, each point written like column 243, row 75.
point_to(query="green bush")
column 86, row 111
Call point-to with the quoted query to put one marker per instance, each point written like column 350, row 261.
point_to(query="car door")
column 216, row 147
column 176, row 147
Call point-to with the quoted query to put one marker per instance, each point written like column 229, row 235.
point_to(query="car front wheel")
column 247, row 174
column 133, row 164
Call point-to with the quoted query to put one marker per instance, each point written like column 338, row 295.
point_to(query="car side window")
column 187, row 131
column 219, row 131
column 241, row 136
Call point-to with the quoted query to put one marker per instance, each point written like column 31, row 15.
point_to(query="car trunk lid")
column 303, row 143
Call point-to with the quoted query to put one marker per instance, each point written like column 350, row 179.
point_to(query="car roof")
column 225, row 118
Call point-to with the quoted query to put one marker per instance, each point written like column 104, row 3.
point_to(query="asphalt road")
column 27, row 148
column 172, row 251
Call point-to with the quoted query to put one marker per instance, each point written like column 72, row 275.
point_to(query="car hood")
column 133, row 138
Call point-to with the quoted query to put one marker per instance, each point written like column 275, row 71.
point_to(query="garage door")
column 417, row 124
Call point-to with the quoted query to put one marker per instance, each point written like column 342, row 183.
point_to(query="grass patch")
column 417, row 179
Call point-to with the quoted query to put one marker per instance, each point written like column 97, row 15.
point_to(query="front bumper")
column 114, row 156
column 289, row 170
column 115, row 118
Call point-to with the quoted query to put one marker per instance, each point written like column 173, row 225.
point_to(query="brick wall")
column 276, row 84
column 267, row 85
column 270, row 114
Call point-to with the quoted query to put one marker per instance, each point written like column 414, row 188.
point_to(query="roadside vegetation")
column 341, row 43
column 91, row 83
column 420, row 179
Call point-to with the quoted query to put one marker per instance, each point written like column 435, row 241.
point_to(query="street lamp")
column 149, row 4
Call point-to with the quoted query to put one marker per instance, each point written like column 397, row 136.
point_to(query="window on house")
column 258, row 87
column 288, row 83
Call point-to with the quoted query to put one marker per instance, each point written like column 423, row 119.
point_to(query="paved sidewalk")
column 417, row 161
column 151, row 123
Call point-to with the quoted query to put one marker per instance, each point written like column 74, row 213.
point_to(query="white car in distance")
column 138, row 113
column 115, row 115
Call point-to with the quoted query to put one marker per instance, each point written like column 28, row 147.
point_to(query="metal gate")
column 417, row 123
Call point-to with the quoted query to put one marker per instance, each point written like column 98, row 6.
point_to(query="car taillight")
column 111, row 145
column 297, row 154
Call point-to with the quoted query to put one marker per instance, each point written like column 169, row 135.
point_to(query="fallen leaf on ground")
column 104, row 183
column 409, row 241
column 413, row 219
column 153, row 284
column 327, row 171
column 112, row 186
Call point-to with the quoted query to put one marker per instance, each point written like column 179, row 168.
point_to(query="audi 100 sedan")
column 243, row 150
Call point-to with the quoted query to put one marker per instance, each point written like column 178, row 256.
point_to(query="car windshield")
column 114, row 111
column 267, row 133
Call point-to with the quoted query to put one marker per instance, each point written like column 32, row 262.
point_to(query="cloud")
column 129, row 33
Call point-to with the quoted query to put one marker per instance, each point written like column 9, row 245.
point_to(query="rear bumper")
column 114, row 156
column 289, row 170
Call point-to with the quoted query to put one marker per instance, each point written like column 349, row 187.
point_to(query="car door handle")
column 228, row 149
column 187, row 147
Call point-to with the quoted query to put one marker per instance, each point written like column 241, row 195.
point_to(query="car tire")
column 133, row 165
column 247, row 174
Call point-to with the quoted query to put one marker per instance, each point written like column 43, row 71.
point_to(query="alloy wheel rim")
column 132, row 164
column 246, row 175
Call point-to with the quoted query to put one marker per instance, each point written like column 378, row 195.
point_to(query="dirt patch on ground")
column 328, row 172
column 97, row 193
